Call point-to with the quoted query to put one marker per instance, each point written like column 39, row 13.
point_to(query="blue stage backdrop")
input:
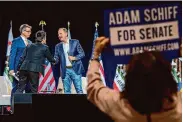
column 141, row 28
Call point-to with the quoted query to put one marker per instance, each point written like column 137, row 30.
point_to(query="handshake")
column 54, row 62
column 71, row 58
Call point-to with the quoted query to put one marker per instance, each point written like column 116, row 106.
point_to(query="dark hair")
column 40, row 35
column 148, row 82
column 23, row 26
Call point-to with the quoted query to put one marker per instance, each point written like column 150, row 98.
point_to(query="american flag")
column 101, row 69
column 47, row 83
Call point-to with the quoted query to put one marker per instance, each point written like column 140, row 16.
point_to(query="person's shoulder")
column 44, row 45
column 74, row 40
column 37, row 45
column 17, row 39
column 58, row 44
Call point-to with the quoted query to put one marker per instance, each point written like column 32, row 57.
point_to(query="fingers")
column 100, row 44
column 100, row 38
column 105, row 41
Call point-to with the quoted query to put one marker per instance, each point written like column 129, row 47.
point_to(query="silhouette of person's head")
column 149, row 82
column 40, row 36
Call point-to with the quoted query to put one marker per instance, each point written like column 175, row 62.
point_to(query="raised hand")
column 100, row 43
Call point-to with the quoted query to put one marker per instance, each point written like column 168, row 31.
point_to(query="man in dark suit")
column 69, row 52
column 32, row 63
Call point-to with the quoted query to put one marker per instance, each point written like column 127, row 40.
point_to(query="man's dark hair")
column 40, row 35
column 149, row 82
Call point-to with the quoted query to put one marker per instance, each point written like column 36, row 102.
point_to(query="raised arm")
column 49, row 56
column 103, row 97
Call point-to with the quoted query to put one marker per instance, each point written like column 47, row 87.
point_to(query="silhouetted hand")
column 100, row 43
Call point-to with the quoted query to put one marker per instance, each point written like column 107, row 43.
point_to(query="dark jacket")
column 34, row 56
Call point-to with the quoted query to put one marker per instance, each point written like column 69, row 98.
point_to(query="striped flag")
column 119, row 82
column 8, row 78
column 177, row 72
column 10, row 39
column 180, row 69
column 174, row 70
column 101, row 68
column 47, row 83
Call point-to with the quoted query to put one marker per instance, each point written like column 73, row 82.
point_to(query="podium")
column 66, row 108
column 62, row 107
column 22, row 98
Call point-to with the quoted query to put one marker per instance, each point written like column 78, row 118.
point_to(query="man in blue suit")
column 69, row 52
column 17, row 48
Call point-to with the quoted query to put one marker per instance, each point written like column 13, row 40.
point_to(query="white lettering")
column 112, row 19
column 153, row 14
column 136, row 50
column 125, row 17
column 175, row 11
column 161, row 13
column 119, row 18
column 135, row 16
column 147, row 15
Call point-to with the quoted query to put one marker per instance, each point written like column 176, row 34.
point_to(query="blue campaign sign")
column 142, row 28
